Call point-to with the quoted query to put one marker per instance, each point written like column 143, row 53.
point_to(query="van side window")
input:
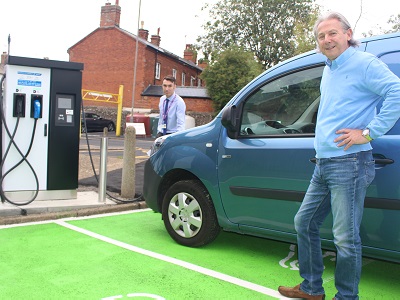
column 287, row 105
column 392, row 60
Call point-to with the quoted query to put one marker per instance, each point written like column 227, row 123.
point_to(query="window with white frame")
column 158, row 70
column 183, row 79
column 192, row 81
column 174, row 73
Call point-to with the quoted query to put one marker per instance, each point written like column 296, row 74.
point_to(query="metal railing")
column 90, row 95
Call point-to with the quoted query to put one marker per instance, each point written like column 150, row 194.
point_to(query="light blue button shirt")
column 176, row 114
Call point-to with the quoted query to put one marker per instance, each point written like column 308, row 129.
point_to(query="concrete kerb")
column 108, row 208
column 86, row 204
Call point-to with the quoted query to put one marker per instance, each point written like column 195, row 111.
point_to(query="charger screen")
column 65, row 103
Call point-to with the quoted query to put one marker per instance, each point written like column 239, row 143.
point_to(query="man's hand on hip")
column 350, row 137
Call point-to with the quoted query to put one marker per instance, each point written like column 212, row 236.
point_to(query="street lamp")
column 135, row 64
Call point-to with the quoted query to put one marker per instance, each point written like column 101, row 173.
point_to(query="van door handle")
column 226, row 156
column 383, row 161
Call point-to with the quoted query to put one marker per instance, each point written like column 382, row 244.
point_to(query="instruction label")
column 29, row 79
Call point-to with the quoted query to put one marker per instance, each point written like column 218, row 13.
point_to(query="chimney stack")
column 203, row 63
column 189, row 53
column 110, row 14
column 156, row 39
column 143, row 33
column 3, row 58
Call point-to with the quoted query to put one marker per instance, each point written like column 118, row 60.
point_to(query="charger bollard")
column 103, row 166
column 128, row 168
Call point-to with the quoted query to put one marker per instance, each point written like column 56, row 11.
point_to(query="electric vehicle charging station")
column 40, row 129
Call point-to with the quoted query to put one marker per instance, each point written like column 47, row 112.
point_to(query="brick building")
column 109, row 52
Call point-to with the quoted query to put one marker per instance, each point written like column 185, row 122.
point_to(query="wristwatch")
column 365, row 134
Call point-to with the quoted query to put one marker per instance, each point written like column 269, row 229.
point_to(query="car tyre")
column 110, row 127
column 189, row 214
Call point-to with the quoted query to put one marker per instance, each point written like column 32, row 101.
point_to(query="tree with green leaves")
column 228, row 73
column 270, row 29
column 394, row 21
column 304, row 38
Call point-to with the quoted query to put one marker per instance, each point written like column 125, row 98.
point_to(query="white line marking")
column 184, row 264
column 287, row 258
column 156, row 297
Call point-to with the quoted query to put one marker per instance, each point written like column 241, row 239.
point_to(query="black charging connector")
column 19, row 105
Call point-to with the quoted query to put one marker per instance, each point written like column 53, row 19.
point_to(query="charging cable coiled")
column 12, row 142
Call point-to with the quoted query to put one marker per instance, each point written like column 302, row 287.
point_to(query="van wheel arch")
column 169, row 179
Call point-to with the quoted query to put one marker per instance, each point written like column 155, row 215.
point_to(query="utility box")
column 42, row 102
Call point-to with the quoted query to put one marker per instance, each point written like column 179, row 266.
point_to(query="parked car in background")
column 93, row 122
column 247, row 171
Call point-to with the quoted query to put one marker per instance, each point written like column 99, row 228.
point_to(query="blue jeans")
column 339, row 185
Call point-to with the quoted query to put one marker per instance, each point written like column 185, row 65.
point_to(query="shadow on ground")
column 114, row 180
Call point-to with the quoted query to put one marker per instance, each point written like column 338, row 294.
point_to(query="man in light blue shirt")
column 351, row 87
column 172, row 109
column 353, row 83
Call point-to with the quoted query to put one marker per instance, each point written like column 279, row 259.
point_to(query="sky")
column 47, row 28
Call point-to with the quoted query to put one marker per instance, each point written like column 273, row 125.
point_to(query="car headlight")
column 157, row 144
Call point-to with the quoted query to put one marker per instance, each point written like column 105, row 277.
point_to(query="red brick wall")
column 108, row 56
column 199, row 105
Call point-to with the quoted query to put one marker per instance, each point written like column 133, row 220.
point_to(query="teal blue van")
column 247, row 170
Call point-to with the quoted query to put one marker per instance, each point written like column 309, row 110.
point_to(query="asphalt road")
column 115, row 150
column 115, row 143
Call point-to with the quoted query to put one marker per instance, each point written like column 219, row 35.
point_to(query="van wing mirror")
column 231, row 121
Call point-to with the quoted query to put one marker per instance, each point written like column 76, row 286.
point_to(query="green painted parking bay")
column 131, row 256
